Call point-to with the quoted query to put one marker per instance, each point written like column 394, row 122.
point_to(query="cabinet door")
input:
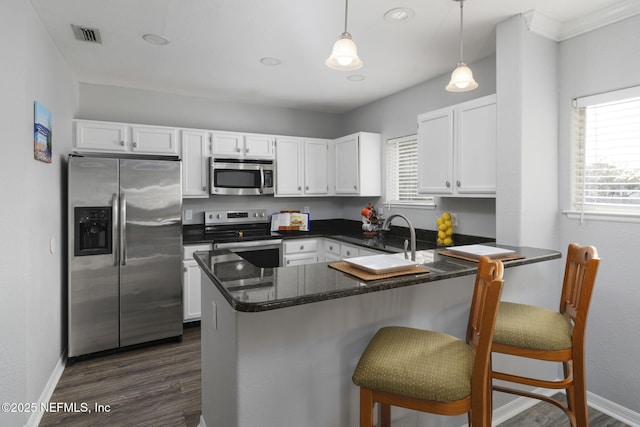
column 101, row 136
column 476, row 147
column 195, row 163
column 435, row 152
column 154, row 140
column 289, row 157
column 316, row 166
column 191, row 290
column 347, row 165
column 227, row 144
column 259, row 146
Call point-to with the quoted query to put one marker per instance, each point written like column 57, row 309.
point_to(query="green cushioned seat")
column 416, row 363
column 535, row 328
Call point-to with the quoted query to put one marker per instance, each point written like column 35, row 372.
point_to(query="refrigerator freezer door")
column 151, row 260
column 93, row 279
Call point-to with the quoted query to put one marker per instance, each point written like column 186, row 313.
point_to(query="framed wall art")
column 42, row 149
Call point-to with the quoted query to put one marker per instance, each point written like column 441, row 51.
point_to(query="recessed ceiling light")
column 356, row 77
column 269, row 61
column 156, row 39
column 399, row 14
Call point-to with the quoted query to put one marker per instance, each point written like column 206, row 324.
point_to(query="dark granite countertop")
column 251, row 289
column 348, row 231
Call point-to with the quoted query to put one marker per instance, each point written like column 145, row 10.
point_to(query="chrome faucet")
column 386, row 226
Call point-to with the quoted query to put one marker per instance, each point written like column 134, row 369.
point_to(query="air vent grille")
column 84, row 34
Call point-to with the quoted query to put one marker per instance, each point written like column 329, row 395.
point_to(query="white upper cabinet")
column 457, row 150
column 154, row 140
column 235, row 144
column 358, row 165
column 302, row 166
column 195, row 163
column 108, row 137
column 101, row 136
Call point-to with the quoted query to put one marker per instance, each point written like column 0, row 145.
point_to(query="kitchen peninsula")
column 280, row 351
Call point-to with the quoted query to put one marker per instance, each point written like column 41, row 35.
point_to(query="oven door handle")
column 249, row 244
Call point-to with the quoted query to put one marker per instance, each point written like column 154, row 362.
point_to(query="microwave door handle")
column 261, row 179
column 115, row 225
column 123, row 229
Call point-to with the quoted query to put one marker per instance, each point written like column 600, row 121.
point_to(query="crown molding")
column 560, row 31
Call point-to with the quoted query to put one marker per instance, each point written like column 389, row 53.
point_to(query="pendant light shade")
column 344, row 55
column 462, row 77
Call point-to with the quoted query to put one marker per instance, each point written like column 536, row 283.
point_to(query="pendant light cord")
column 461, row 44
column 346, row 10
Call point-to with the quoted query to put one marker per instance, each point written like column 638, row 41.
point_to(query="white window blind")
column 402, row 172
column 607, row 142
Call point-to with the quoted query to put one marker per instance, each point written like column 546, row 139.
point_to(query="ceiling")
column 216, row 45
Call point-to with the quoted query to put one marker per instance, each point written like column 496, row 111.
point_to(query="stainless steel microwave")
column 242, row 176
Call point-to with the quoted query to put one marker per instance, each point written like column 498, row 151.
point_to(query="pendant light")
column 345, row 54
column 462, row 77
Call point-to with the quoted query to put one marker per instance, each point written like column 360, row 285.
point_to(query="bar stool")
column 431, row 371
column 553, row 336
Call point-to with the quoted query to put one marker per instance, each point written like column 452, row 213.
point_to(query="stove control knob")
column 255, row 214
column 218, row 216
column 262, row 214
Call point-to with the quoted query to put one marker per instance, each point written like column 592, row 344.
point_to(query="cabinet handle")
column 246, row 150
column 330, row 248
column 458, row 183
column 301, row 247
column 307, row 187
column 122, row 143
column 135, row 144
column 299, row 187
column 348, row 253
column 448, row 184
column 355, row 187
column 204, row 188
column 186, row 269
column 288, row 261
column 238, row 150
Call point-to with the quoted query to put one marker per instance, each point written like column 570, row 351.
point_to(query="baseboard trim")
column 603, row 405
column 614, row 410
column 48, row 390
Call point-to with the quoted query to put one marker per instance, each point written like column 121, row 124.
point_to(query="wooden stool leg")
column 385, row 415
column 366, row 408
column 580, row 392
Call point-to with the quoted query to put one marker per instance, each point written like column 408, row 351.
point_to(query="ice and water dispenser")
column 92, row 230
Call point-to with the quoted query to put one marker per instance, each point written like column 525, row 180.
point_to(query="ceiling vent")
column 91, row 35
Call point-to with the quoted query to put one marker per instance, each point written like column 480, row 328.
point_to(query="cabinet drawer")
column 300, row 246
column 332, row 247
column 348, row 251
column 188, row 250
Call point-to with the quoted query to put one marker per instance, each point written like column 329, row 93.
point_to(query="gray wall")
column 32, row 218
column 603, row 60
column 396, row 116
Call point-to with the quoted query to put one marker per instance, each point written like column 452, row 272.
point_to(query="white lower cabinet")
column 299, row 252
column 335, row 250
column 191, row 282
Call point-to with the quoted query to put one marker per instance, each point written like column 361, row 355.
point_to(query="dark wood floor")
column 152, row 386
column 160, row 386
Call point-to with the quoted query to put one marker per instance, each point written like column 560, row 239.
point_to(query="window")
column 607, row 162
column 402, row 172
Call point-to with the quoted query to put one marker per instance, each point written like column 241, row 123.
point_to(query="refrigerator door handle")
column 123, row 229
column 115, row 209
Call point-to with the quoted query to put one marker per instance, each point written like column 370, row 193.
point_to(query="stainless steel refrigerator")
column 125, row 243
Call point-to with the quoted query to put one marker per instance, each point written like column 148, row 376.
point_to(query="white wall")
column 33, row 214
column 603, row 60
